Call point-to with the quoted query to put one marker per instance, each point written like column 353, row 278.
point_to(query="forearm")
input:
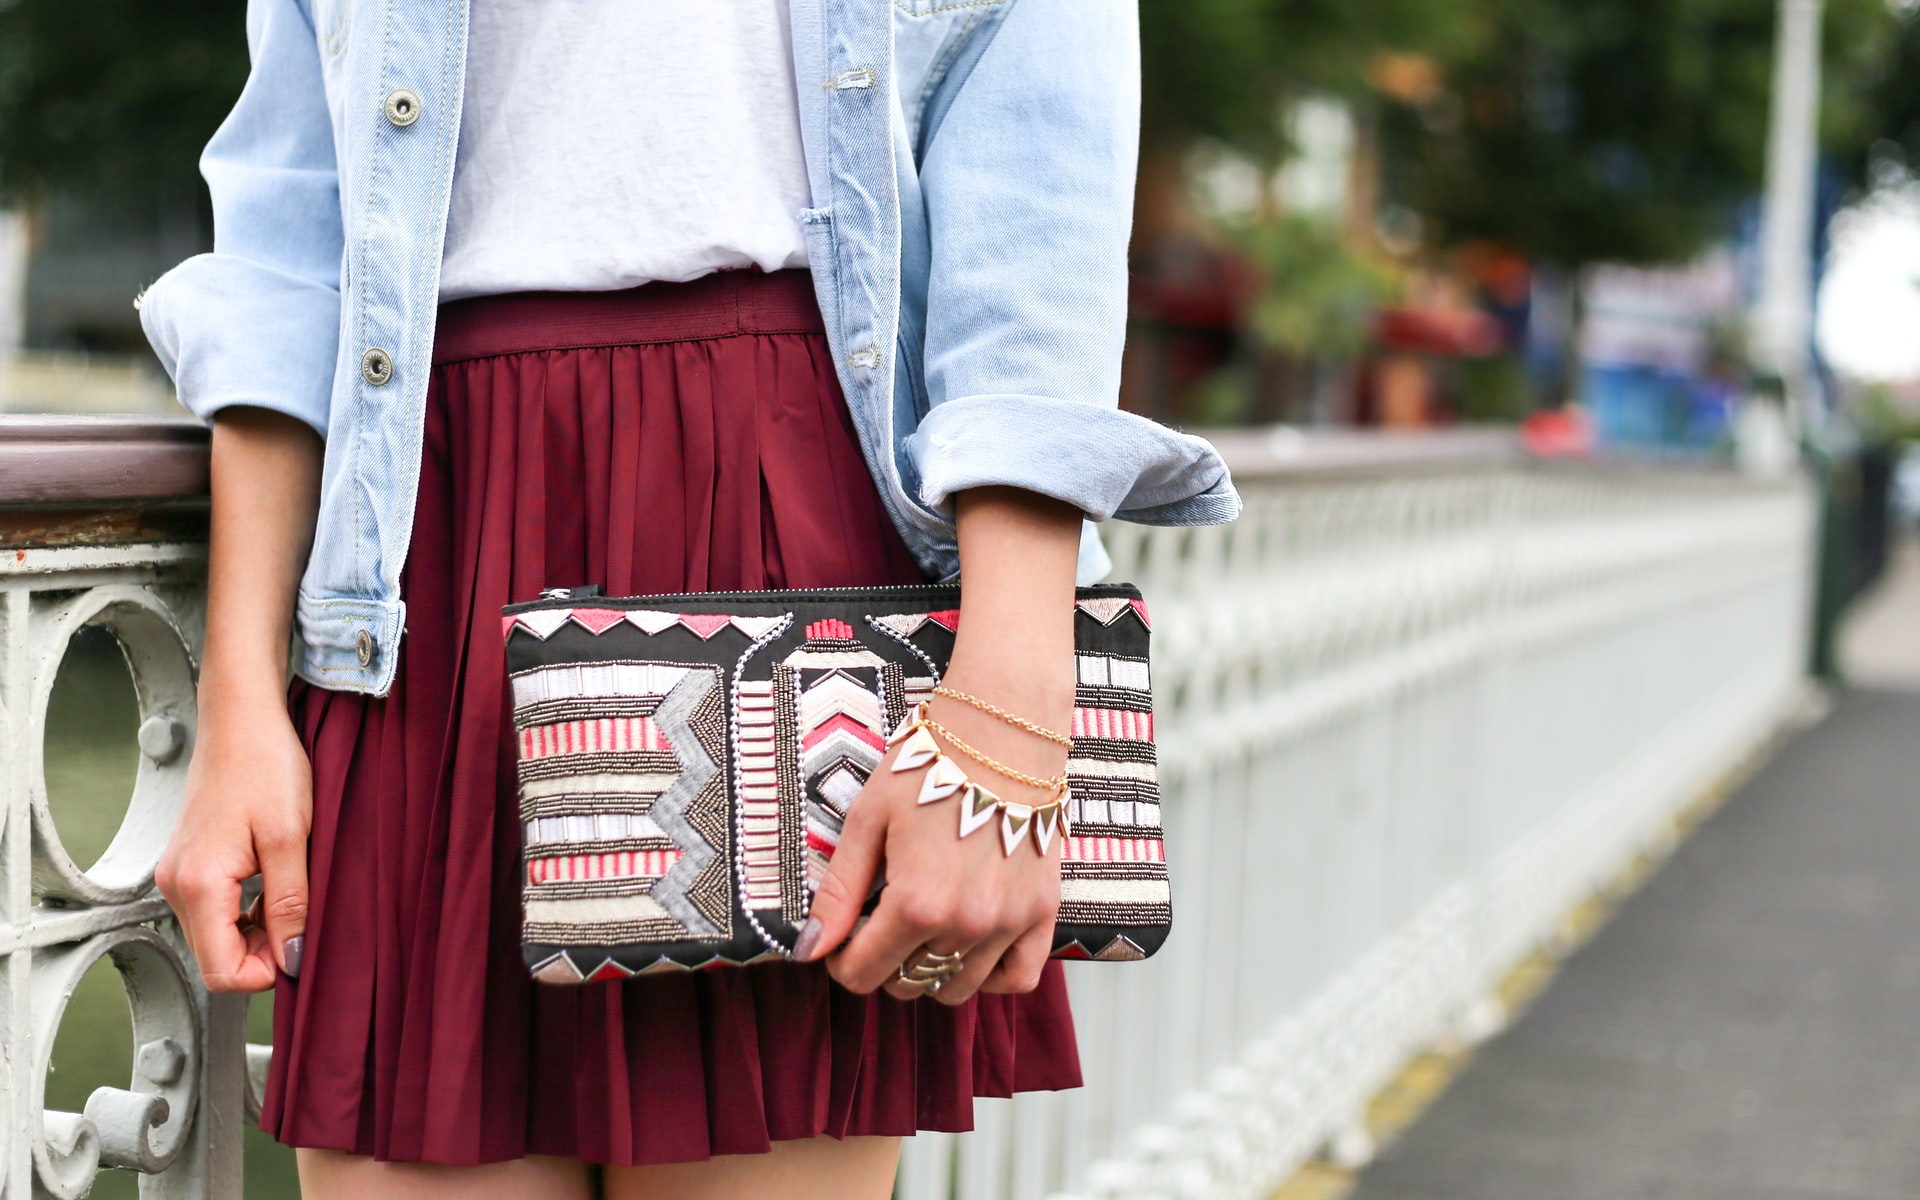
column 266, row 488
column 1018, row 551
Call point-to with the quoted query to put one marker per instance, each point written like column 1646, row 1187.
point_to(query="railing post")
column 102, row 524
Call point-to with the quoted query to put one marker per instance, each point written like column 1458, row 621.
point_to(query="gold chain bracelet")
column 1058, row 739
column 917, row 750
column 997, row 767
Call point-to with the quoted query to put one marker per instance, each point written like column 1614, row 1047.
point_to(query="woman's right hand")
column 249, row 800
column 249, row 807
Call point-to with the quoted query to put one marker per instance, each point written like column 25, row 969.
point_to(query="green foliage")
column 1319, row 293
column 1566, row 129
column 114, row 99
column 1882, row 417
column 1891, row 110
column 1219, row 69
column 1496, row 388
column 1575, row 130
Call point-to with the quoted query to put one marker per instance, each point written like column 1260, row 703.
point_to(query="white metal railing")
column 1410, row 717
column 1413, row 708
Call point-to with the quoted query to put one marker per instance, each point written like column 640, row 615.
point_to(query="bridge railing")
column 1423, row 698
column 102, row 525
column 1416, row 705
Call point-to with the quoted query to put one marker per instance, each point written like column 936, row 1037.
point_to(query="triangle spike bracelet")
column 978, row 806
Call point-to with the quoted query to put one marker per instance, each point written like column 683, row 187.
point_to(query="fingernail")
column 291, row 952
column 809, row 942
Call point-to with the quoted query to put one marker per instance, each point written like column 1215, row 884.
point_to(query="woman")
column 664, row 297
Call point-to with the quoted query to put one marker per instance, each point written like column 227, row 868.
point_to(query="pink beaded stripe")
column 1118, row 724
column 621, row 864
column 597, row 736
column 1115, row 849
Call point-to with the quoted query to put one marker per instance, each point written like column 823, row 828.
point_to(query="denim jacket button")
column 363, row 647
column 403, row 107
column 376, row 367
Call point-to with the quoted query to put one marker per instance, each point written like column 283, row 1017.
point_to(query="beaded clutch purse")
column 686, row 763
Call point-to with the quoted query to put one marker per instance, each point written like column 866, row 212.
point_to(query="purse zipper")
column 551, row 597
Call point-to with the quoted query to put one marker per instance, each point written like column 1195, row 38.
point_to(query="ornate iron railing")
column 102, row 524
column 1418, row 702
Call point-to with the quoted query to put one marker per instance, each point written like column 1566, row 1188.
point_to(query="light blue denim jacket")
column 971, row 164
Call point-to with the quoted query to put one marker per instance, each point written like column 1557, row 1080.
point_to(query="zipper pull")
column 586, row 591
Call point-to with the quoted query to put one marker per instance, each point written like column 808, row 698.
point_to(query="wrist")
column 996, row 749
column 225, row 698
column 1039, row 689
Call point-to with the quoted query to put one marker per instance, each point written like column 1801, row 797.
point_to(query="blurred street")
column 1744, row 1028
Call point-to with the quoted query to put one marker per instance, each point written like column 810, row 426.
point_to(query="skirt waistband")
column 723, row 304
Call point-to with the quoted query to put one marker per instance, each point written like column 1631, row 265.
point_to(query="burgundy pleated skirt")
column 676, row 437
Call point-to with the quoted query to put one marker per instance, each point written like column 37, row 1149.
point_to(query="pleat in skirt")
column 676, row 437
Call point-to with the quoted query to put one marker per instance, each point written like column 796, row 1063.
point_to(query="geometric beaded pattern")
column 623, row 817
column 687, row 765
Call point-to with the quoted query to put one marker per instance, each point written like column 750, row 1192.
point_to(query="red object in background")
column 1558, row 433
column 1204, row 288
column 1458, row 332
column 1188, row 303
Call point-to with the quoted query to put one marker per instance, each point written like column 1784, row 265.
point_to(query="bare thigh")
column 817, row 1169
column 331, row 1175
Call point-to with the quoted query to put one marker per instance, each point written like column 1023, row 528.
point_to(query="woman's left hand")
column 944, row 893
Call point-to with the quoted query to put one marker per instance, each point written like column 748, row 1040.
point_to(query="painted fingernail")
column 809, row 941
column 292, row 952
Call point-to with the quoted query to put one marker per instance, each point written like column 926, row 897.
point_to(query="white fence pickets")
column 1409, row 719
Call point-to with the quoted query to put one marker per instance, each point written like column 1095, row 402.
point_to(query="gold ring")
column 927, row 969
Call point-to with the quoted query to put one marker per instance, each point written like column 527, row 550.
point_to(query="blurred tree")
column 1221, row 69
column 114, row 99
column 1577, row 130
column 1566, row 129
column 1330, row 293
column 1894, row 104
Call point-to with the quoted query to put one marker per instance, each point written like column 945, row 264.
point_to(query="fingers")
column 902, row 924
column 978, row 966
column 1018, row 970
column 207, row 900
column 848, row 881
column 283, row 896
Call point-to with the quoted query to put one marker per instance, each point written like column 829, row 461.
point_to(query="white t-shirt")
column 610, row 143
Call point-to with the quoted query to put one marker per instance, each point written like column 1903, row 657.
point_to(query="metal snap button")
column 403, row 107
column 363, row 647
column 376, row 367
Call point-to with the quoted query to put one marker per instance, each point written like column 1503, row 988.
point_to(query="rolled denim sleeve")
column 1028, row 184
column 257, row 321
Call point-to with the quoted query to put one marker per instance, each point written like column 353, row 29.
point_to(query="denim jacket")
column 971, row 164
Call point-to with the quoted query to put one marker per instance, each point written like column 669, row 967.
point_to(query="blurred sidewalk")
column 1880, row 643
column 1747, row 1027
